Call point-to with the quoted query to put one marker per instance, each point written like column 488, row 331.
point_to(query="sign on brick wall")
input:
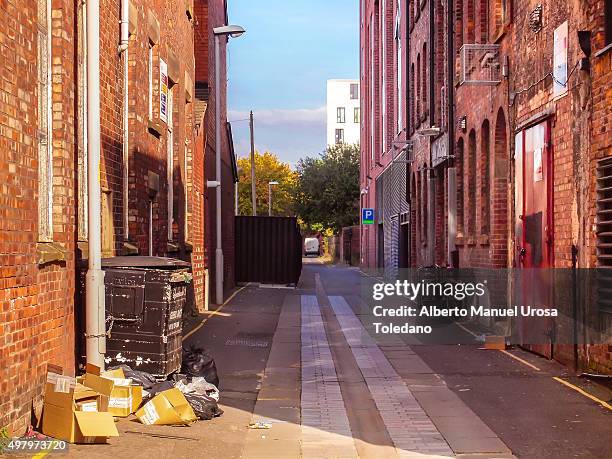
column 163, row 91
column 440, row 150
column 560, row 60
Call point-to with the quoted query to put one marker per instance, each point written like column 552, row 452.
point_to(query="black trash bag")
column 141, row 378
column 156, row 389
column 198, row 362
column 203, row 406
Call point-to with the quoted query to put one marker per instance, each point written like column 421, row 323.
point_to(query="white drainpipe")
column 123, row 50
column 94, row 283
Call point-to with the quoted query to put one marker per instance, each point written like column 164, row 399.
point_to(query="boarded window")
column 45, row 138
column 82, row 122
column 108, row 224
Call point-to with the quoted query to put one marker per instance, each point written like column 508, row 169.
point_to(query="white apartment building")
column 343, row 111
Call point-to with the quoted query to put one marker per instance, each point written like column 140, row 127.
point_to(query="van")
column 311, row 246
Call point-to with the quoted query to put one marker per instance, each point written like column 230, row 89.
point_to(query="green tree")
column 268, row 168
column 327, row 194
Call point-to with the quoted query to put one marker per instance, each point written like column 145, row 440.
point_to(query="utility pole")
column 253, row 187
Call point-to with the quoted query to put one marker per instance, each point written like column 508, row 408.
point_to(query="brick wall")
column 37, row 298
column 378, row 18
column 214, row 14
column 36, row 301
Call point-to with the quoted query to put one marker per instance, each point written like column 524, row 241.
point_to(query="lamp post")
column 273, row 182
column 223, row 31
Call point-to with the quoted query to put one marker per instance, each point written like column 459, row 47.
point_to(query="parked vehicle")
column 311, row 246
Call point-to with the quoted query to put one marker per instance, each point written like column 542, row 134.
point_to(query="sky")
column 279, row 69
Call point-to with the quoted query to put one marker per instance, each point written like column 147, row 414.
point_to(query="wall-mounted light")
column 535, row 19
column 462, row 123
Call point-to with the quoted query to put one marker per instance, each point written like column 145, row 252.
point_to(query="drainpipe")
column 123, row 50
column 94, row 281
column 219, row 248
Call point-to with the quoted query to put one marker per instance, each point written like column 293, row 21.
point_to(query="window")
column 108, row 224
column 150, row 80
column 82, row 216
column 483, row 19
column 471, row 201
column 458, row 25
column 608, row 19
column 471, row 22
column 354, row 91
column 340, row 115
column 412, row 99
column 45, row 117
column 356, row 115
column 424, row 84
column 460, row 188
column 485, row 177
column 398, row 61
column 372, row 94
column 170, row 163
column 418, row 90
column 339, row 136
column 501, row 16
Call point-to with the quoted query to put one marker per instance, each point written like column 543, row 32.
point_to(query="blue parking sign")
column 367, row 216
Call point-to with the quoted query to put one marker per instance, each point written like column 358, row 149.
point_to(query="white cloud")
column 273, row 117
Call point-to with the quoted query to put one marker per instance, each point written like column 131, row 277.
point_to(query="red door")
column 533, row 232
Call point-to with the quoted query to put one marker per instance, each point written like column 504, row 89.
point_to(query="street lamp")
column 273, row 182
column 223, row 31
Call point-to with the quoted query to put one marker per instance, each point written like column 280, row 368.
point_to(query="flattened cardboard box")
column 169, row 407
column 75, row 413
column 124, row 398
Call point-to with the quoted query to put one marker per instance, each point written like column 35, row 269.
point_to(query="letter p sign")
column 367, row 216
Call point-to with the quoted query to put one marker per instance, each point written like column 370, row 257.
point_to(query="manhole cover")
column 249, row 340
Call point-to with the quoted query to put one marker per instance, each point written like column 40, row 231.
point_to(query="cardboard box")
column 169, row 407
column 495, row 342
column 75, row 413
column 124, row 398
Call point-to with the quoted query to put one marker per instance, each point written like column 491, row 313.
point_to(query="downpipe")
column 95, row 336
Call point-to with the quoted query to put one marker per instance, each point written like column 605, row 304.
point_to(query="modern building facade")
column 151, row 171
column 343, row 112
column 500, row 108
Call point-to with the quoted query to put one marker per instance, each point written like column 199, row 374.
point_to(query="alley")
column 304, row 361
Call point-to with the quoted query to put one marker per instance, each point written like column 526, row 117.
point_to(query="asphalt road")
column 536, row 416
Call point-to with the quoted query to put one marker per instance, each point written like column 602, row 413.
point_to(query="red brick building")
column 152, row 166
column 211, row 14
column 383, row 135
column 509, row 162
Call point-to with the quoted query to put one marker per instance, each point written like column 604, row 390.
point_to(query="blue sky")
column 279, row 69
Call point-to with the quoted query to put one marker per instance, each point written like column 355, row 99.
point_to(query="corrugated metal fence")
column 268, row 250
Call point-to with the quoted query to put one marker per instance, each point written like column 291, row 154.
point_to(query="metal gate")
column 268, row 250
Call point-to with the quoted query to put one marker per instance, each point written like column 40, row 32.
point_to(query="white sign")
column 163, row 91
column 538, row 172
column 439, row 150
column 560, row 60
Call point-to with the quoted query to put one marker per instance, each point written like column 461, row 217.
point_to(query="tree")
column 268, row 168
column 327, row 194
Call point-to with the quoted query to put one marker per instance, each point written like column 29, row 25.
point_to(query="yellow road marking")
column 518, row 359
column 524, row 362
column 216, row 312
column 583, row 392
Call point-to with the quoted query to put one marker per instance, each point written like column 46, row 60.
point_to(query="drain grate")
column 250, row 340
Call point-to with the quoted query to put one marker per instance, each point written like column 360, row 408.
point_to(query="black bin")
column 145, row 297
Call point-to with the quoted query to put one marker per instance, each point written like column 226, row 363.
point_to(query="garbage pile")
column 83, row 409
